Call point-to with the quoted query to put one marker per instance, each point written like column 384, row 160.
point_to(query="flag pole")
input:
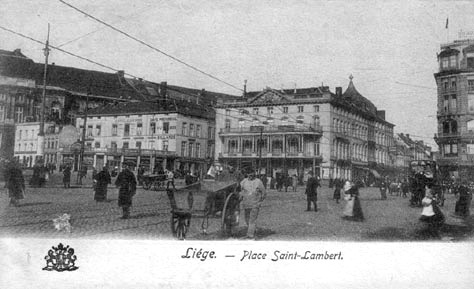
column 447, row 29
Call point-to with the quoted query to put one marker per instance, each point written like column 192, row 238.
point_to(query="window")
column 191, row 129
column 164, row 145
column 114, row 129
column 183, row 149
column 300, row 108
column 126, row 130
column 113, row 145
column 152, row 128
column 166, row 127
column 470, row 60
column 89, row 145
column 445, row 85
column 97, row 130
column 19, row 134
column 227, row 112
column 227, row 123
column 444, row 62
column 285, row 109
column 198, row 130
column 315, row 121
column 453, row 84
column 198, row 150
column 97, row 144
column 2, row 112
column 453, row 103
column 470, row 86
column 255, row 110
column 125, row 145
column 270, row 110
column 139, row 128
column 470, row 125
column 89, row 130
column 450, row 149
column 241, row 123
column 446, row 103
column 138, row 144
column 191, row 149
column 470, row 149
column 316, row 108
column 452, row 61
column 151, row 144
column 18, row 114
column 184, row 128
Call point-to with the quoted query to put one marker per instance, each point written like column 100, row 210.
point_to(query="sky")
column 388, row 46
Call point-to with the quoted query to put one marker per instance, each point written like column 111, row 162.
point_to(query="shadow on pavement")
column 146, row 215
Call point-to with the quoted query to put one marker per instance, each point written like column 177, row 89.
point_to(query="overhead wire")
column 151, row 46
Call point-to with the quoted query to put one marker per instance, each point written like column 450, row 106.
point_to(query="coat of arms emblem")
column 60, row 258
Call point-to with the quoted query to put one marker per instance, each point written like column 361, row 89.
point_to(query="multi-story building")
column 455, row 81
column 167, row 134
column 407, row 150
column 26, row 143
column 294, row 131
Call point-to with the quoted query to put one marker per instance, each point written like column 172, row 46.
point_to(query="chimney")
column 381, row 114
column 163, row 88
column 338, row 91
column 17, row 51
column 295, row 89
column 121, row 73
column 245, row 89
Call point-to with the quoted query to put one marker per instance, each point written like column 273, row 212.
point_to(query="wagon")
column 205, row 199
column 154, row 181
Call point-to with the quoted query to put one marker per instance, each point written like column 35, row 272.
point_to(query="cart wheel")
column 230, row 214
column 146, row 185
column 179, row 225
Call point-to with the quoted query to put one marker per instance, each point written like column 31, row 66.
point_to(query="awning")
column 376, row 174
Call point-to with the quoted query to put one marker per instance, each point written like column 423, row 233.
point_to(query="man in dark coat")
column 127, row 185
column 67, row 177
column 15, row 183
column 312, row 192
column 102, row 180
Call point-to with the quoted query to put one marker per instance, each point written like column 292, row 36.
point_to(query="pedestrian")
column 35, row 179
column 102, row 180
column 294, row 182
column 252, row 194
column 431, row 213
column 15, row 183
column 67, row 177
column 353, row 208
column 170, row 178
column 312, row 192
column 405, row 188
column 463, row 203
column 127, row 185
column 337, row 183
column 82, row 173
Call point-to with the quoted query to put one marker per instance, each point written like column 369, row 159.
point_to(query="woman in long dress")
column 353, row 209
column 102, row 180
column 15, row 183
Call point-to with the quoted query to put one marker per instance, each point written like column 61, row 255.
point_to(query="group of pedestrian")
column 40, row 175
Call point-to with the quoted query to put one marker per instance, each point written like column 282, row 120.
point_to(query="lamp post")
column 260, row 141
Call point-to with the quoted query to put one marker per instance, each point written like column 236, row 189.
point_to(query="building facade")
column 170, row 134
column 339, row 135
column 455, row 82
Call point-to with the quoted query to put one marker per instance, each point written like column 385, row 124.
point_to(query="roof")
column 448, row 52
column 154, row 107
column 352, row 95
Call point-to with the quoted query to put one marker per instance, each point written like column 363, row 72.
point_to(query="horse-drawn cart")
column 204, row 200
column 154, row 181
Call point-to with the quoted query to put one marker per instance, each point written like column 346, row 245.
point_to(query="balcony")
column 447, row 135
column 274, row 129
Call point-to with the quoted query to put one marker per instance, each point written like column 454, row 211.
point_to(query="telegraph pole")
column 43, row 99
column 83, row 139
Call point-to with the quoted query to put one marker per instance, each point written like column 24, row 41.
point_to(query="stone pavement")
column 282, row 217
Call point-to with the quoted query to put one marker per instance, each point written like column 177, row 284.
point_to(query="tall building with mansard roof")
column 455, row 81
column 293, row 131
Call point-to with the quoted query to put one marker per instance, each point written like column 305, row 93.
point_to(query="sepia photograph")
column 216, row 144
